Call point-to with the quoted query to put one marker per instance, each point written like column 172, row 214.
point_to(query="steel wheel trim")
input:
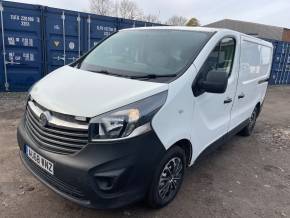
column 170, row 178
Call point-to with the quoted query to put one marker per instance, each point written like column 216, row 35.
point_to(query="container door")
column 126, row 23
column 2, row 62
column 141, row 24
column 284, row 73
column 280, row 63
column 97, row 28
column 63, row 37
column 21, row 56
column 287, row 67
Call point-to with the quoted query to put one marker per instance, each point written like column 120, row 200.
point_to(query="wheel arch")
column 186, row 145
column 258, row 106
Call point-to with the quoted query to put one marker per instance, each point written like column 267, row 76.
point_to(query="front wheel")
column 247, row 131
column 167, row 179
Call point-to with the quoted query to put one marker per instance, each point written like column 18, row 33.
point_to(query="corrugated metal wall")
column 36, row 40
column 21, row 46
column 280, row 73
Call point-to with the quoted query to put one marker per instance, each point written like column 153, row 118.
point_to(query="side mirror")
column 214, row 82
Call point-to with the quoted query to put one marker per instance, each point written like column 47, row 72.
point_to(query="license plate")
column 39, row 160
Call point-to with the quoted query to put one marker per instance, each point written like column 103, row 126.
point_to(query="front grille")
column 58, row 139
column 55, row 182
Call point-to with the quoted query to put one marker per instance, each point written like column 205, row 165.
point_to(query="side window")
column 221, row 58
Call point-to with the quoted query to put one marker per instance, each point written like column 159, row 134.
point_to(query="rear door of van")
column 255, row 67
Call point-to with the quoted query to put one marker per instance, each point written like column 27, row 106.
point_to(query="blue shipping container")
column 280, row 73
column 36, row 40
column 63, row 35
column 97, row 27
column 21, row 56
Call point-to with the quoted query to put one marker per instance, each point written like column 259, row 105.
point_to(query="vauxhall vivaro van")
column 124, row 121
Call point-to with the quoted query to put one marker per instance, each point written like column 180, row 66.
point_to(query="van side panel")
column 173, row 121
column 211, row 115
column 266, row 63
column 255, row 66
column 200, row 119
column 197, row 119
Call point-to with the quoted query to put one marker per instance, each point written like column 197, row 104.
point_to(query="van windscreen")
column 142, row 53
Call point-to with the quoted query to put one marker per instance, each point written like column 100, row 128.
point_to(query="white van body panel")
column 194, row 92
column 211, row 115
column 199, row 119
column 185, row 28
column 173, row 121
column 255, row 66
column 77, row 92
column 204, row 119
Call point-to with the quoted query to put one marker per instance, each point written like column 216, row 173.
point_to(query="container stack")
column 35, row 40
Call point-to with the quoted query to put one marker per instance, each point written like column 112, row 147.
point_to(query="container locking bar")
column 63, row 33
column 89, row 32
column 4, row 48
column 79, row 33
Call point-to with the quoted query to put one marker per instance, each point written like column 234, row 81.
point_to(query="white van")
column 124, row 121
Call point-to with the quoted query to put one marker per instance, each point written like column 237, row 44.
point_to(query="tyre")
column 247, row 131
column 167, row 178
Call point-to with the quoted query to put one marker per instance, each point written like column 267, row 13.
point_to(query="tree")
column 151, row 18
column 129, row 9
column 115, row 9
column 192, row 22
column 176, row 21
column 101, row 7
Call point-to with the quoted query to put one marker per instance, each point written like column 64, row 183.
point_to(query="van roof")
column 202, row 29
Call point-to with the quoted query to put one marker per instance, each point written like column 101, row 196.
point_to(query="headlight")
column 128, row 121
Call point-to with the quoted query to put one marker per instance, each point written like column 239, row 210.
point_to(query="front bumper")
column 101, row 175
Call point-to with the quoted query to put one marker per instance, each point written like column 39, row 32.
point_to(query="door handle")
column 242, row 95
column 228, row 100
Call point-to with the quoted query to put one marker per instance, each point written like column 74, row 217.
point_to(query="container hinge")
column 59, row 58
column 73, row 59
column 11, row 62
column 6, row 86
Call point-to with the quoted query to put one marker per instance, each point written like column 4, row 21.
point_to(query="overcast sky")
column 272, row 12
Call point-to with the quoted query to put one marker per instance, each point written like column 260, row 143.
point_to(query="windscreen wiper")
column 152, row 76
column 108, row 73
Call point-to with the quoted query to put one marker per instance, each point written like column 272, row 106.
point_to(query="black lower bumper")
column 101, row 175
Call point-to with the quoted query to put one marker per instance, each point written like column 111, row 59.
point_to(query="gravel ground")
column 246, row 177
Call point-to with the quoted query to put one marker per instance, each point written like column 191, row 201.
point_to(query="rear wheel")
column 247, row 131
column 167, row 179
